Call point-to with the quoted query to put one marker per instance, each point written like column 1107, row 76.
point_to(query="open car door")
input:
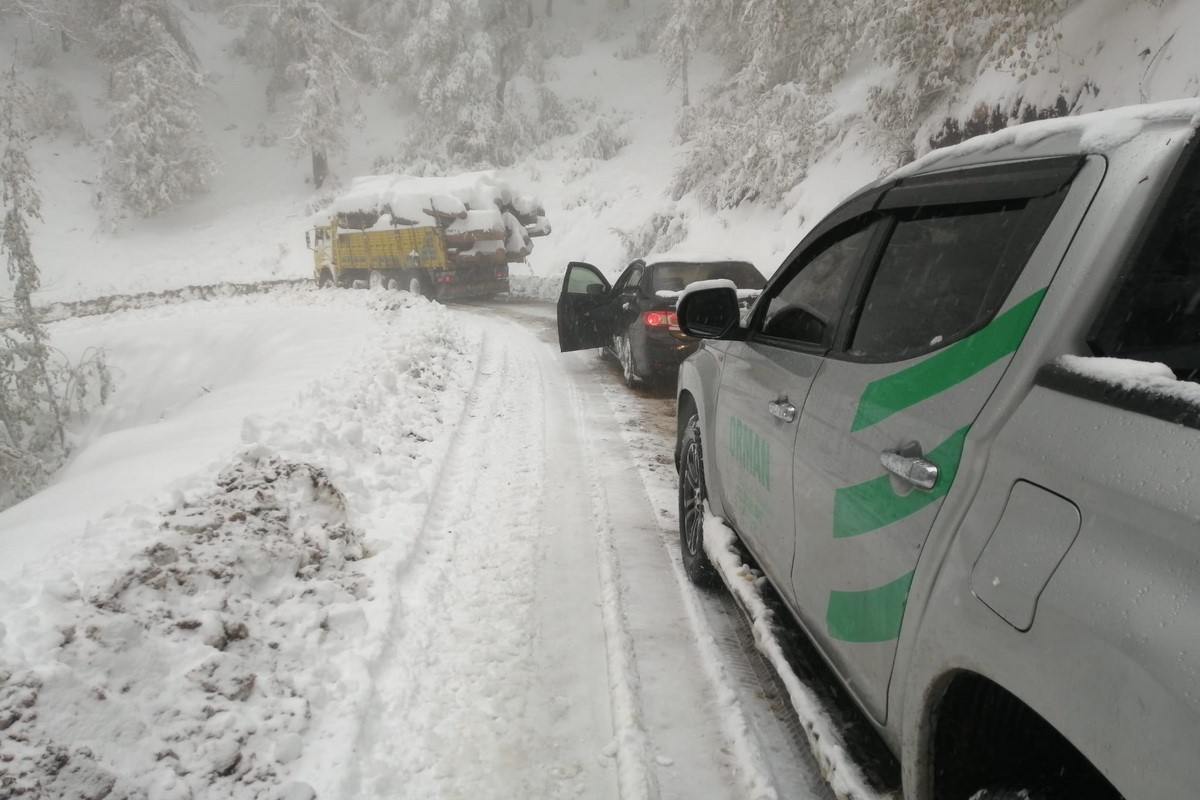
column 585, row 310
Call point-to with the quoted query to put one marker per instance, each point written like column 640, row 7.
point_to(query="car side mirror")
column 709, row 313
column 595, row 289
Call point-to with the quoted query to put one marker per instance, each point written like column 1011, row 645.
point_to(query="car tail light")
column 445, row 279
column 660, row 319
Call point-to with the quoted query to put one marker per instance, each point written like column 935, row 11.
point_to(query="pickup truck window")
column 1155, row 312
column 944, row 273
column 809, row 306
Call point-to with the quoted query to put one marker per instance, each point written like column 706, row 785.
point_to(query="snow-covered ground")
column 414, row 553
column 348, row 544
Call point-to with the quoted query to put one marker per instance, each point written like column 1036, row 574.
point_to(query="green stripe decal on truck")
column 951, row 366
column 868, row 506
column 873, row 615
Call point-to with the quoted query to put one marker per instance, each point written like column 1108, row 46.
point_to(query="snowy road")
column 494, row 606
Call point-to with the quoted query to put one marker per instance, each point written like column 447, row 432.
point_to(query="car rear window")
column 1154, row 314
column 676, row 277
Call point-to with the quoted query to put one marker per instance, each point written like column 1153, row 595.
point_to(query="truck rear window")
column 1154, row 314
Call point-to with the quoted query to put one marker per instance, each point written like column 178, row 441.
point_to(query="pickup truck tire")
column 691, row 508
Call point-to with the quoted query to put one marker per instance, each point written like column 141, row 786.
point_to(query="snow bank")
column 211, row 640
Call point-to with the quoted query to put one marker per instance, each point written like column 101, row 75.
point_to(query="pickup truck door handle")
column 782, row 409
column 918, row 471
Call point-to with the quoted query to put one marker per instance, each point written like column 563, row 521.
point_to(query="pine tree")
column 154, row 154
column 31, row 422
column 677, row 43
column 939, row 49
column 39, row 393
column 447, row 58
column 311, row 48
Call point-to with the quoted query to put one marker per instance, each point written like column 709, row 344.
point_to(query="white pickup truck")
column 960, row 434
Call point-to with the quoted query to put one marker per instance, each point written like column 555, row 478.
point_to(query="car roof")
column 689, row 257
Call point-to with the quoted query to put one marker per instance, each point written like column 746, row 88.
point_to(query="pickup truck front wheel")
column 691, row 507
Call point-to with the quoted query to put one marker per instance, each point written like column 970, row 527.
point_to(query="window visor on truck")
column 1021, row 180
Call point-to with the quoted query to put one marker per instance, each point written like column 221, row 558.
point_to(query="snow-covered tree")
column 757, row 131
column 508, row 24
column 312, row 47
column 677, row 42
column 457, row 61
column 154, row 155
column 310, row 33
column 938, row 48
column 38, row 394
column 446, row 59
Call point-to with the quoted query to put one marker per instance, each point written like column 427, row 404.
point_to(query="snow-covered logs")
column 480, row 216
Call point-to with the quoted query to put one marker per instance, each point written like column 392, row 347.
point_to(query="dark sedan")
column 634, row 319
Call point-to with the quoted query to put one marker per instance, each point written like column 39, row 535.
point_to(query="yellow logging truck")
column 440, row 237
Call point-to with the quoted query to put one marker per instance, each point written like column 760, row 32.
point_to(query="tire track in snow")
column 429, row 545
column 636, row 777
column 749, row 762
column 452, row 691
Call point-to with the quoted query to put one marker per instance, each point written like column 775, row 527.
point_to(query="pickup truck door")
column 585, row 309
column 933, row 327
column 764, row 383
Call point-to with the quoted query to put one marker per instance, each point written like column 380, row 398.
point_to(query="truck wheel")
column 393, row 285
column 417, row 286
column 326, row 280
column 376, row 280
column 691, row 508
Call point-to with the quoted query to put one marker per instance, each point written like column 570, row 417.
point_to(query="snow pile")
column 213, row 642
column 188, row 668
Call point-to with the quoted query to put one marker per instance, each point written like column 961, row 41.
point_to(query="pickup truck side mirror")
column 709, row 313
